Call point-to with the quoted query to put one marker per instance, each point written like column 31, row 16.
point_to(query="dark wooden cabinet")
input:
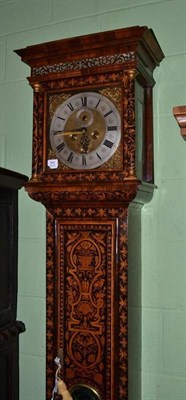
column 10, row 328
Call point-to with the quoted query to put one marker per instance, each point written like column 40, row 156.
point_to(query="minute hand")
column 70, row 132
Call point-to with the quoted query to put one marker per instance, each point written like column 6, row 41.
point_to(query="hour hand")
column 70, row 132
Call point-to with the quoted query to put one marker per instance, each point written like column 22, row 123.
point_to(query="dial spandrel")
column 85, row 130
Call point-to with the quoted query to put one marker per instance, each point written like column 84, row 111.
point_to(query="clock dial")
column 85, row 130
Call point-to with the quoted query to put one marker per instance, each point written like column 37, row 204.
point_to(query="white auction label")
column 53, row 164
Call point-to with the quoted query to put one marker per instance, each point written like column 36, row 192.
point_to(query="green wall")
column 159, row 265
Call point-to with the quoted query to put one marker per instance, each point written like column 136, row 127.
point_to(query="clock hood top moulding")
column 139, row 41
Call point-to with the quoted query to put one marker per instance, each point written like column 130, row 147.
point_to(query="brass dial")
column 85, row 130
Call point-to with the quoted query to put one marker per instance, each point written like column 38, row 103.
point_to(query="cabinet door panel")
column 8, row 251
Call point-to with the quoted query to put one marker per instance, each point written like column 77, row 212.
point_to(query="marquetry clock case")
column 92, row 145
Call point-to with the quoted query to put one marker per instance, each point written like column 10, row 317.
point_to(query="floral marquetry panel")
column 86, row 253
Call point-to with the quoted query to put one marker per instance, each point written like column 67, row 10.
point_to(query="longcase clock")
column 92, row 145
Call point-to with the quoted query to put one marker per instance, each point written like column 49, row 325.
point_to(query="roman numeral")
column 108, row 143
column 84, row 101
column 70, row 157
column 84, row 161
column 98, row 156
column 98, row 103
column 108, row 113
column 61, row 146
column 70, row 106
column 63, row 119
column 112, row 128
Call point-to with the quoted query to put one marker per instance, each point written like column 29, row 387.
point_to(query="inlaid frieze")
column 84, row 63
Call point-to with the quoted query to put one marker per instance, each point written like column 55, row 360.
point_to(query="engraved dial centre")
column 92, row 134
